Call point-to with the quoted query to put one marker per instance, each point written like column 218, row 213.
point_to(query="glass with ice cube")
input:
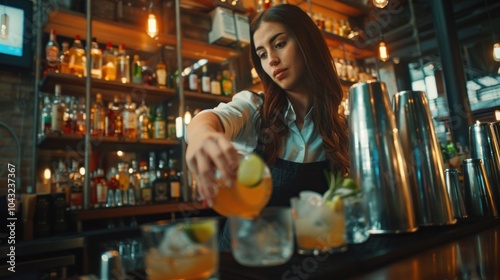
column 319, row 227
column 265, row 240
column 183, row 250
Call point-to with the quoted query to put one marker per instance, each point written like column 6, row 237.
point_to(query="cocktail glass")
column 319, row 228
column 265, row 240
column 183, row 250
column 357, row 222
column 243, row 201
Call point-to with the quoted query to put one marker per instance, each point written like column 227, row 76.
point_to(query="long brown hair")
column 322, row 83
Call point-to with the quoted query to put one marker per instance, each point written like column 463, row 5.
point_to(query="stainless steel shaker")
column 111, row 266
column 377, row 161
column 455, row 192
column 484, row 145
column 423, row 158
column 477, row 190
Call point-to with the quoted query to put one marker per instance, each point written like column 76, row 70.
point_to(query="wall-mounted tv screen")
column 16, row 33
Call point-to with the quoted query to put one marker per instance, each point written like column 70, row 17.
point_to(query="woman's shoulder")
column 253, row 97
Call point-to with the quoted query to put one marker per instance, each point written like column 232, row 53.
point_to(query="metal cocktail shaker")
column 478, row 197
column 377, row 161
column 455, row 192
column 111, row 266
column 423, row 158
column 484, row 145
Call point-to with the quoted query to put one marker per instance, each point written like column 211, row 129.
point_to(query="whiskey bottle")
column 114, row 118
column 124, row 181
column 58, row 108
column 97, row 118
column 96, row 60
column 143, row 121
column 160, row 125
column 64, row 59
column 205, row 80
column 77, row 58
column 161, row 74
column 161, row 184
column 174, row 180
column 129, row 119
column 52, row 54
column 109, row 63
column 76, row 186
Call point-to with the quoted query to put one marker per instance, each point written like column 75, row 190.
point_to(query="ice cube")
column 311, row 197
column 176, row 241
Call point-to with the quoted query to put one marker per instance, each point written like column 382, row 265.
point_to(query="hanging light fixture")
column 152, row 23
column 380, row 3
column 496, row 45
column 4, row 28
column 383, row 52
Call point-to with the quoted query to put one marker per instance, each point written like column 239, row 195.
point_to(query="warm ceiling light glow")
column 383, row 53
column 82, row 170
column 496, row 51
column 380, row 3
column 152, row 23
column 47, row 174
column 119, row 153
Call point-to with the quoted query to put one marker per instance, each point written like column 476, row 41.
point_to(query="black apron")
column 289, row 179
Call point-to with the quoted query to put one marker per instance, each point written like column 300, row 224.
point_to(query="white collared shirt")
column 241, row 125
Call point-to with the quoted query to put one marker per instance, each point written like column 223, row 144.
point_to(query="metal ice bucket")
column 423, row 157
column 377, row 161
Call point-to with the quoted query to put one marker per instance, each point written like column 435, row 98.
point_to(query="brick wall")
column 16, row 111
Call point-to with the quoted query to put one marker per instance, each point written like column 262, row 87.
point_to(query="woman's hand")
column 209, row 150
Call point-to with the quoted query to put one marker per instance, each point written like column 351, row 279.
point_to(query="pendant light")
column 383, row 53
column 496, row 45
column 380, row 3
column 4, row 28
column 152, row 23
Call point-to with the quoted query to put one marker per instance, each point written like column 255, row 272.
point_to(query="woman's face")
column 280, row 55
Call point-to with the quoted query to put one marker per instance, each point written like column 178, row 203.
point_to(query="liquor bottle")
column 171, row 128
column 160, row 125
column 135, row 180
column 81, row 115
column 205, row 80
column 64, row 58
column 143, row 121
column 52, row 54
column 46, row 116
column 161, row 184
column 136, row 70
column 76, row 186
column 123, row 63
column 97, row 117
column 152, row 167
column 148, row 75
column 113, row 187
column 70, row 115
column 77, row 58
column 114, row 118
column 109, row 63
column 226, row 83
column 161, row 74
column 175, row 180
column 101, row 187
column 96, row 60
column 60, row 181
column 215, row 84
column 129, row 119
column 146, row 191
column 58, row 108
column 124, row 181
column 193, row 81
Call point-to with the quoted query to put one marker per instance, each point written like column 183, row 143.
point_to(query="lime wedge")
column 337, row 204
column 251, row 170
column 349, row 183
column 200, row 232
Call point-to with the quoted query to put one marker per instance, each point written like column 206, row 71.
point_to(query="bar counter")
column 467, row 250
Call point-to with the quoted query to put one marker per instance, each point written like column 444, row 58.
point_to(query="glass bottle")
column 193, row 81
column 135, row 179
column 161, row 183
column 64, row 59
column 70, row 116
column 77, row 58
column 101, row 186
column 109, row 63
column 175, row 180
column 215, row 84
column 58, row 108
column 81, row 115
column 129, row 119
column 226, row 83
column 96, row 58
column 52, row 50
column 160, row 125
column 46, row 116
column 60, row 182
column 143, row 121
column 114, row 118
column 146, row 191
column 98, row 115
column 123, row 180
column 161, row 74
column 136, row 70
column 76, row 186
column 205, row 80
column 123, row 61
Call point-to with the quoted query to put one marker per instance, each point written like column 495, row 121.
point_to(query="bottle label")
column 52, row 53
column 160, row 191
column 205, row 84
column 57, row 118
column 146, row 194
column 160, row 129
column 193, row 82
column 161, row 75
column 175, row 189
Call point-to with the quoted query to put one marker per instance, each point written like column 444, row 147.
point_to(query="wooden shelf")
column 138, row 210
column 346, row 7
column 69, row 23
column 75, row 86
column 189, row 95
column 74, row 143
column 351, row 47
